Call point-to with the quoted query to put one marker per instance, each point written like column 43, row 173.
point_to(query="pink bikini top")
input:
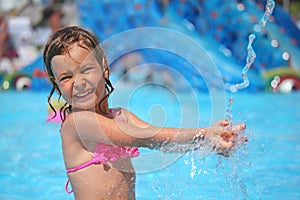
column 105, row 153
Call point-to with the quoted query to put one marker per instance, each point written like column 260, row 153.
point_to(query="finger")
column 223, row 122
column 239, row 128
column 226, row 145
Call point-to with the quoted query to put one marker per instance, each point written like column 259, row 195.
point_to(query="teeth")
column 83, row 94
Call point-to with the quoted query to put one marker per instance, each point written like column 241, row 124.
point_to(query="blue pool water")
column 267, row 167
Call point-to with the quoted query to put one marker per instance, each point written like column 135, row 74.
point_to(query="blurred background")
column 267, row 167
column 222, row 27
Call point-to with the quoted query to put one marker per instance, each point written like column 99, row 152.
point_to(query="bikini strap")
column 93, row 161
column 88, row 163
column 67, row 187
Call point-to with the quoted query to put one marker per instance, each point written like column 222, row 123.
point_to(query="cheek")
column 66, row 92
column 101, row 88
column 66, row 98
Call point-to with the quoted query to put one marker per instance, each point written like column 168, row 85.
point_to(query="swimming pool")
column 268, row 167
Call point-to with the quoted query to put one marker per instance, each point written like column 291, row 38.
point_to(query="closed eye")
column 87, row 70
column 64, row 78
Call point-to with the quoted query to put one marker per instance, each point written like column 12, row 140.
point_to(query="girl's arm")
column 221, row 130
column 92, row 128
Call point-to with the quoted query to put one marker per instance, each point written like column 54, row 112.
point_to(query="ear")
column 106, row 73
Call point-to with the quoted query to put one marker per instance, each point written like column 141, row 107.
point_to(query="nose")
column 79, row 83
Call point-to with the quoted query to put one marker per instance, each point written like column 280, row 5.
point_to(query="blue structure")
column 220, row 27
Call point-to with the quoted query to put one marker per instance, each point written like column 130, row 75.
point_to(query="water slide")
column 230, row 70
column 286, row 24
column 282, row 78
column 283, row 30
column 144, row 14
column 228, row 67
column 268, row 57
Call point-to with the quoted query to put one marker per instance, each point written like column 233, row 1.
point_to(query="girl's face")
column 79, row 78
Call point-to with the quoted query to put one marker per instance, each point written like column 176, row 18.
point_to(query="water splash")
column 193, row 169
column 229, row 116
column 249, row 60
column 269, row 10
column 251, row 53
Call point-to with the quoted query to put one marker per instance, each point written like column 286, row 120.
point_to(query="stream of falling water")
column 251, row 55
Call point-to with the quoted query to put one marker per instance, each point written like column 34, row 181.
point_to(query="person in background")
column 98, row 141
column 54, row 18
column 51, row 17
column 7, row 48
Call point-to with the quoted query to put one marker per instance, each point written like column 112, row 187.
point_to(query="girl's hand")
column 224, row 136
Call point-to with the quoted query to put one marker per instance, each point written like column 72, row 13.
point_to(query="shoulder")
column 86, row 117
column 86, row 126
column 132, row 118
column 78, row 117
column 78, row 121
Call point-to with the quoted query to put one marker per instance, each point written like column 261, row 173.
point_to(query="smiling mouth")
column 80, row 95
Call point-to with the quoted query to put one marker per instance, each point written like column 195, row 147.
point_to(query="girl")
column 98, row 141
